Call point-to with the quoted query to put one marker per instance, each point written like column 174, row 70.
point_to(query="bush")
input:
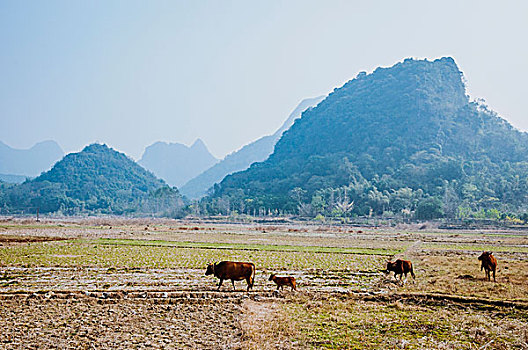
column 428, row 209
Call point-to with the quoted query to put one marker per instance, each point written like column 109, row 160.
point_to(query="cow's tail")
column 412, row 272
column 252, row 277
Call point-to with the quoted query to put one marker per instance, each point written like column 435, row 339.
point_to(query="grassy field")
column 344, row 300
column 156, row 254
column 345, row 323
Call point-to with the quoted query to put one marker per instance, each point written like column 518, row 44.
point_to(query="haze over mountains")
column 176, row 163
column 403, row 140
column 256, row 151
column 17, row 164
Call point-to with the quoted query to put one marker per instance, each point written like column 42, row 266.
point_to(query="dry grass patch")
column 344, row 323
column 264, row 326
column 461, row 275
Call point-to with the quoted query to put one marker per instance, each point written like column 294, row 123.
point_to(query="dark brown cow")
column 284, row 281
column 400, row 267
column 489, row 263
column 234, row 271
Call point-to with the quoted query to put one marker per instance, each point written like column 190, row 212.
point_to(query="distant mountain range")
column 97, row 180
column 401, row 139
column 17, row 164
column 176, row 163
column 256, row 151
column 13, row 179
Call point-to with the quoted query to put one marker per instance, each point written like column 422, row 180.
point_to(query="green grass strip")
column 242, row 246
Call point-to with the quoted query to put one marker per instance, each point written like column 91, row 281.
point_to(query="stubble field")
column 121, row 284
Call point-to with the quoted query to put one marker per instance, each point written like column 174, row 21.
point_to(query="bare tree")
column 344, row 204
column 306, row 210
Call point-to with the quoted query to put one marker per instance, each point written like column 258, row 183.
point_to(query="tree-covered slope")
column 256, row 151
column 97, row 179
column 408, row 127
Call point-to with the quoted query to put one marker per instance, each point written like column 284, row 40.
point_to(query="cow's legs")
column 248, row 280
column 233, row 281
column 220, row 284
column 494, row 276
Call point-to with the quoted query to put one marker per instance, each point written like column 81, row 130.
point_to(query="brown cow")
column 234, row 271
column 284, row 281
column 489, row 263
column 400, row 267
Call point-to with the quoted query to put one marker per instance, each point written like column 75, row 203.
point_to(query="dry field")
column 122, row 284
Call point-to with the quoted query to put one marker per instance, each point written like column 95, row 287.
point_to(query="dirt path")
column 411, row 250
column 258, row 322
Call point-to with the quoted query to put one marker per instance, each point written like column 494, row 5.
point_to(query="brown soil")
column 89, row 323
column 28, row 239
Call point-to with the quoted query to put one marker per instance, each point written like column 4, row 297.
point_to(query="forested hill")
column 97, row 179
column 388, row 141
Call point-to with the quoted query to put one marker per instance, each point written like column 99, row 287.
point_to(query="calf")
column 400, row 267
column 284, row 281
column 234, row 271
column 488, row 263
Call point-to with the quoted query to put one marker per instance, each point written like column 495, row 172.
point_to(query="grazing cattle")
column 234, row 271
column 488, row 263
column 284, row 281
column 400, row 267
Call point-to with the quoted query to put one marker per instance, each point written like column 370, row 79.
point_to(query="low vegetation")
column 344, row 323
column 154, row 254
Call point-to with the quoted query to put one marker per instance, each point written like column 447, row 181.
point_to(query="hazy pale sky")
column 129, row 73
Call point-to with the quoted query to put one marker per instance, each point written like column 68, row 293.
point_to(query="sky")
column 130, row 73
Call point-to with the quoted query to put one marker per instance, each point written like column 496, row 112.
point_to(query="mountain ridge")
column 177, row 163
column 29, row 162
column 241, row 159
